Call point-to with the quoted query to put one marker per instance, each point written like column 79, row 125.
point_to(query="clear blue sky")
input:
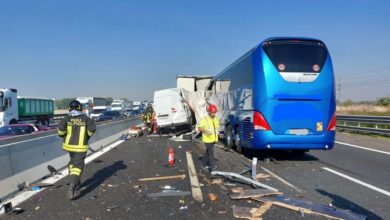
column 129, row 48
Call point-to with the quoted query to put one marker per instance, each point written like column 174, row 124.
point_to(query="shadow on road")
column 279, row 155
column 100, row 176
column 346, row 204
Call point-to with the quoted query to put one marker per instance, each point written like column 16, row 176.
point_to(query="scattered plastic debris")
column 36, row 188
column 212, row 197
column 184, row 207
column 110, row 208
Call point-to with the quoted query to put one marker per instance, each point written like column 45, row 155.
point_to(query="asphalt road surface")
column 111, row 189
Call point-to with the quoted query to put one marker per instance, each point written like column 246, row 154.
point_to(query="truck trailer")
column 14, row 109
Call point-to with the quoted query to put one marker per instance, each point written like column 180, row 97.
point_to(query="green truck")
column 14, row 109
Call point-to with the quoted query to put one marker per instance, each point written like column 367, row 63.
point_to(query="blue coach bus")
column 279, row 95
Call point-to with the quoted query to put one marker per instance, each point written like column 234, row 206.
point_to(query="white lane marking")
column 387, row 193
column 280, row 178
column 19, row 142
column 64, row 172
column 364, row 148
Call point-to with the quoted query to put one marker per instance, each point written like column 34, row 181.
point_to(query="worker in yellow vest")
column 209, row 126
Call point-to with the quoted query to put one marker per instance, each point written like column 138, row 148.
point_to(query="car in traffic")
column 22, row 129
column 109, row 115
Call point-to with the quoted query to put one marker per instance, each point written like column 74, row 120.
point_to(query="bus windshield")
column 296, row 56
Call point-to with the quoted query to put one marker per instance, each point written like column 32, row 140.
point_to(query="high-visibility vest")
column 76, row 132
column 148, row 117
column 211, row 125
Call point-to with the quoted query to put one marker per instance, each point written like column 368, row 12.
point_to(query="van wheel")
column 229, row 137
column 237, row 141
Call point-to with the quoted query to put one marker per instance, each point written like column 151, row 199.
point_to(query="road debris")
column 135, row 131
column 253, row 193
column 182, row 176
column 16, row 211
column 238, row 189
column 184, row 207
column 167, row 187
column 110, row 208
column 212, row 197
column 251, row 213
column 195, row 187
column 182, row 201
column 232, row 176
column 169, row 193
column 230, row 184
column 310, row 207
column 217, row 181
column 262, row 176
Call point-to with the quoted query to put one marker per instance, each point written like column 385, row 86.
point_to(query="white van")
column 172, row 113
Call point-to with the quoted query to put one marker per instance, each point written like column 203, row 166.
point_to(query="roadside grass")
column 363, row 109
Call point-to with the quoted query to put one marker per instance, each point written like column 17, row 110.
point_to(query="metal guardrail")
column 364, row 123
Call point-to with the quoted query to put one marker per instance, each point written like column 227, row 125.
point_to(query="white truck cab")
column 8, row 107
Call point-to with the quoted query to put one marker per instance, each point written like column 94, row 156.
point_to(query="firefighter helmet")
column 75, row 105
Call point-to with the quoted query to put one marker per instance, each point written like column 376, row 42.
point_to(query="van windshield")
column 296, row 56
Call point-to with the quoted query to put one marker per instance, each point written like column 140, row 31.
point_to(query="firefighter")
column 209, row 126
column 148, row 117
column 76, row 129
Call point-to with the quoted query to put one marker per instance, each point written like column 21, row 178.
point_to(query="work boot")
column 70, row 193
column 73, row 192
column 207, row 169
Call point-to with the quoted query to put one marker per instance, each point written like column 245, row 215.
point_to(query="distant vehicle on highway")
column 279, row 95
column 109, row 115
column 14, row 109
column 22, row 129
column 92, row 106
column 120, row 105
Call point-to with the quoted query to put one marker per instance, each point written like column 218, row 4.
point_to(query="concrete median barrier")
column 24, row 162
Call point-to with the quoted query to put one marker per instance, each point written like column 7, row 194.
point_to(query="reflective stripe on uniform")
column 61, row 132
column 69, row 131
column 75, row 171
column 75, row 148
column 81, row 135
column 90, row 133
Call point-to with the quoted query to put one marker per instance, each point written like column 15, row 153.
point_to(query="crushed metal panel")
column 311, row 208
column 233, row 176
